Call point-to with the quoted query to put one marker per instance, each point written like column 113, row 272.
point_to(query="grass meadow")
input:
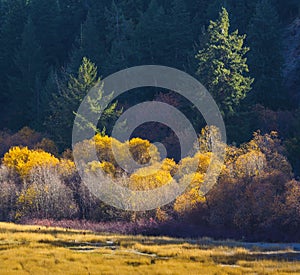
column 46, row 250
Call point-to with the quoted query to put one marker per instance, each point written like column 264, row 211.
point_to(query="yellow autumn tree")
column 193, row 196
column 66, row 167
column 198, row 163
column 104, row 166
column 22, row 160
column 150, row 177
column 153, row 176
column 143, row 151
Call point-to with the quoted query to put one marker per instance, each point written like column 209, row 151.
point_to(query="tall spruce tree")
column 151, row 34
column 119, row 39
column 25, row 85
column 132, row 9
column 222, row 65
column 71, row 91
column 45, row 15
column 265, row 57
column 91, row 40
column 48, row 89
column 180, row 37
column 72, row 15
column 12, row 26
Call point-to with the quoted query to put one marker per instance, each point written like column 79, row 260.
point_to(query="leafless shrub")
column 8, row 194
column 45, row 196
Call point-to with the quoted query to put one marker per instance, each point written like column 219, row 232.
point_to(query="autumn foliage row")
column 254, row 194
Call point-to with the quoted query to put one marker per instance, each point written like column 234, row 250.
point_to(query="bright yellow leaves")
column 188, row 201
column 104, row 166
column 119, row 154
column 22, row 160
column 66, row 167
column 142, row 151
column 193, row 196
column 154, row 173
column 150, row 177
column 48, row 181
column 104, row 147
column 199, row 163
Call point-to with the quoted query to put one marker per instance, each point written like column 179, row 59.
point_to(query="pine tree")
column 47, row 91
column 132, row 9
column 119, row 39
column 71, row 92
column 25, row 85
column 180, row 38
column 150, row 36
column 288, row 9
column 91, row 40
column 45, row 15
column 72, row 15
column 12, row 26
column 222, row 65
column 265, row 58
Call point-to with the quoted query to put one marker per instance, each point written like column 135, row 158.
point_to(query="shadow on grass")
column 218, row 259
column 233, row 259
column 44, row 231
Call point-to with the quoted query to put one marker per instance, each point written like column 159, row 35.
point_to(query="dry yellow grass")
column 40, row 250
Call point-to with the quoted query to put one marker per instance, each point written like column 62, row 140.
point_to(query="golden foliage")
column 66, row 167
column 150, row 177
column 104, row 166
column 142, row 151
column 188, row 201
column 161, row 215
column 169, row 165
column 262, row 154
column 104, row 147
column 198, row 163
column 193, row 196
column 22, row 160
